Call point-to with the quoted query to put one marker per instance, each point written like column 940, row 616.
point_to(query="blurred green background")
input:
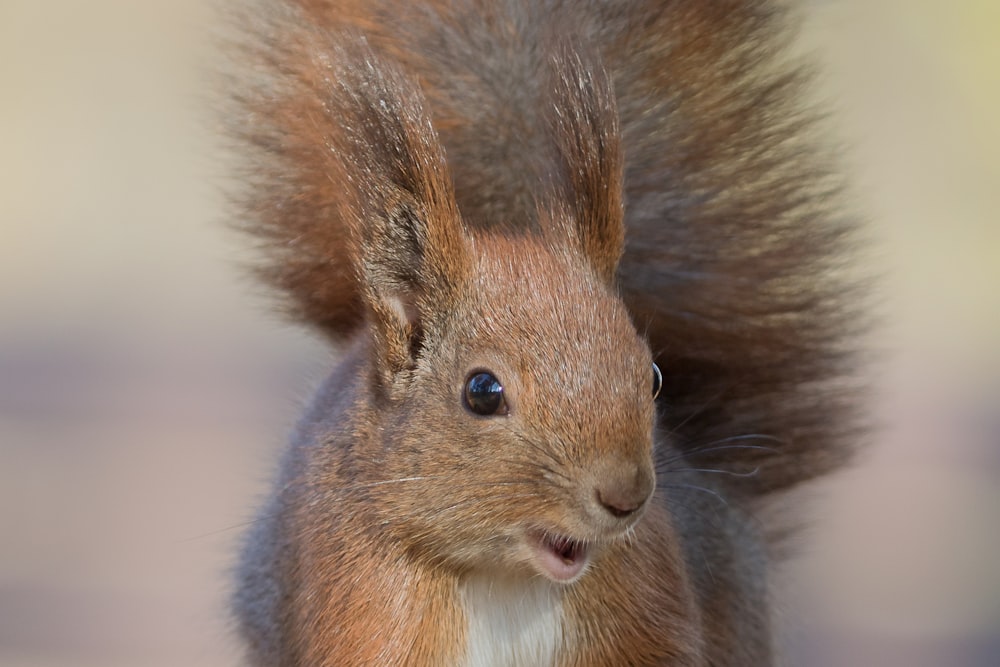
column 145, row 388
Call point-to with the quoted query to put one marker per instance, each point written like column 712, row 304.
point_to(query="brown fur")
column 560, row 193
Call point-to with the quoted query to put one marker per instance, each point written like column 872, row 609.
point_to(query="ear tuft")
column 346, row 183
column 401, row 208
column 584, row 118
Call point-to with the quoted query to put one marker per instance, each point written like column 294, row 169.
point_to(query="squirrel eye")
column 484, row 394
column 657, row 381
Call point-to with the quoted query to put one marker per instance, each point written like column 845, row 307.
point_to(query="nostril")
column 619, row 505
column 622, row 488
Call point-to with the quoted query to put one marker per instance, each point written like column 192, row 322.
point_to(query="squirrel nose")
column 624, row 496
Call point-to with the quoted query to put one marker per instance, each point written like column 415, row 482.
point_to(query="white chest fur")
column 511, row 623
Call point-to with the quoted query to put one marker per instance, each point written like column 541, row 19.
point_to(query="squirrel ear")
column 584, row 119
column 411, row 249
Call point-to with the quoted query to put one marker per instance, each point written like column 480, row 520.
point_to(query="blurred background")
column 145, row 388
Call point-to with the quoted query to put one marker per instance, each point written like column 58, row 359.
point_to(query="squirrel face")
column 564, row 465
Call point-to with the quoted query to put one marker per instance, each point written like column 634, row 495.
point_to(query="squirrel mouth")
column 559, row 557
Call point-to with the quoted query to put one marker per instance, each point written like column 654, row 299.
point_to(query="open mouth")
column 560, row 558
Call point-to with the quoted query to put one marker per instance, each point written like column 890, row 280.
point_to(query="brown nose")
column 624, row 493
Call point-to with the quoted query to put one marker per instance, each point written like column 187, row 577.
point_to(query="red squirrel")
column 583, row 261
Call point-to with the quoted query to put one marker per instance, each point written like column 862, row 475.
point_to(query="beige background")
column 144, row 388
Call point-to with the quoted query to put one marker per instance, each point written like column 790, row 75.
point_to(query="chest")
column 511, row 623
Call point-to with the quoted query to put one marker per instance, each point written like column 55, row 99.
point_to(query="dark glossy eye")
column 484, row 394
column 657, row 381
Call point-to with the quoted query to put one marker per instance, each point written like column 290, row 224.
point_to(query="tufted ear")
column 584, row 119
column 411, row 250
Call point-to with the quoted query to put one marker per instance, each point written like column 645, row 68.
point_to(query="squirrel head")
column 508, row 385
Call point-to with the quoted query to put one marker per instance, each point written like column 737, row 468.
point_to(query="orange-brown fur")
column 561, row 193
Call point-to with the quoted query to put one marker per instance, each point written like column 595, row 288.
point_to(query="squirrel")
column 584, row 262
